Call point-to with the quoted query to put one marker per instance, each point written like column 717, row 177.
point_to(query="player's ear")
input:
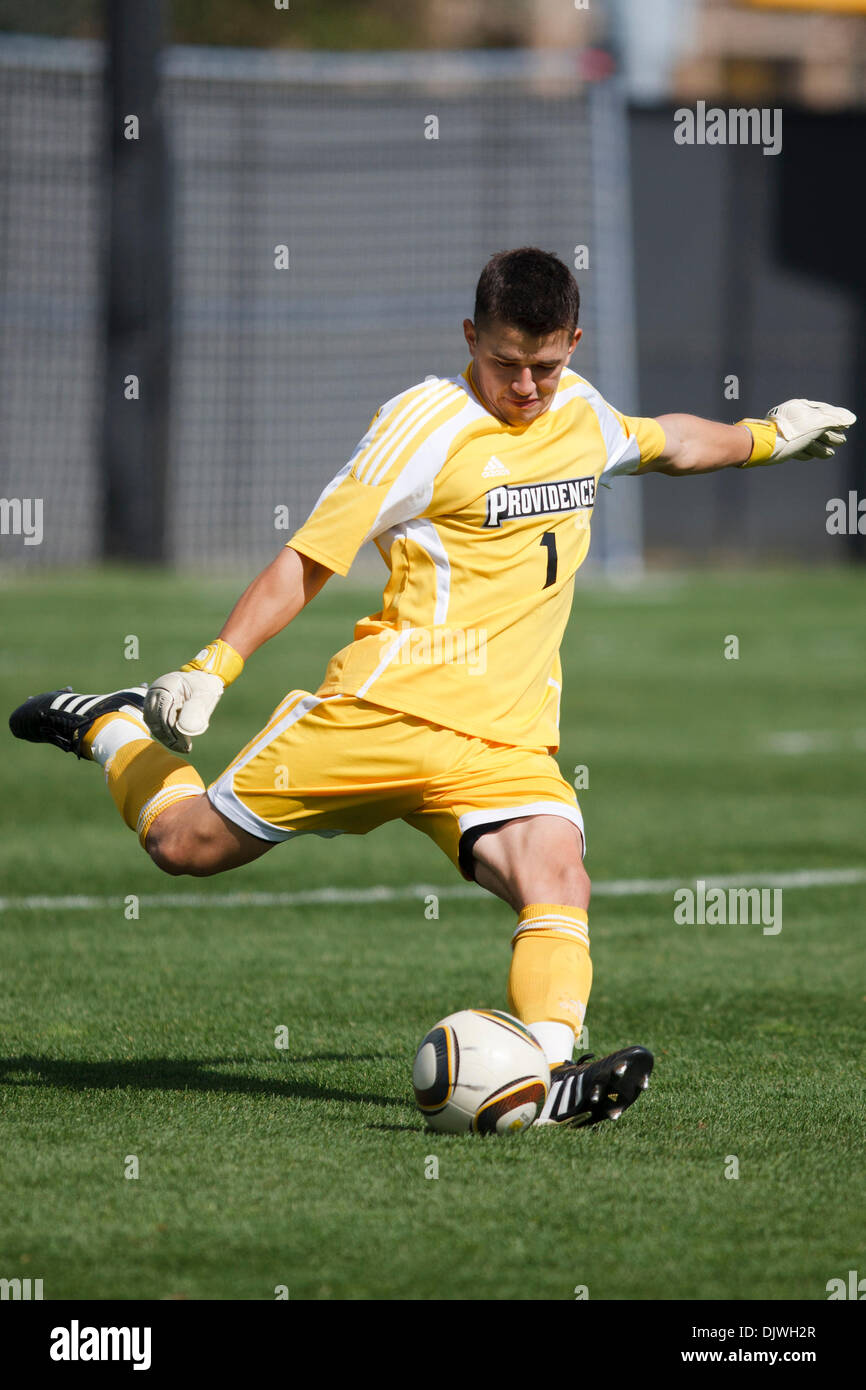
column 578, row 334
column 470, row 335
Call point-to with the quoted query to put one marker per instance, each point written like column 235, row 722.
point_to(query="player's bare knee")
column 562, row 880
column 571, row 883
column 167, row 851
column 175, row 850
column 191, row 838
column 580, row 883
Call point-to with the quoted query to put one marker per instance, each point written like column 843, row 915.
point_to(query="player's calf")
column 535, row 863
column 159, row 795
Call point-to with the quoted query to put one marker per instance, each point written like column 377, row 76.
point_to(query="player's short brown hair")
column 531, row 289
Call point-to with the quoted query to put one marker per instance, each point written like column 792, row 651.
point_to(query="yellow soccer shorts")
column 335, row 765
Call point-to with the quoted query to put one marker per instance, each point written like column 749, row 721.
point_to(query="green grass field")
column 306, row 1168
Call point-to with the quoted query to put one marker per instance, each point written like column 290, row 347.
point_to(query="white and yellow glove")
column 178, row 706
column 797, row 430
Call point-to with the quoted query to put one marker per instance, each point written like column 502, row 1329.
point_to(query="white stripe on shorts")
column 222, row 795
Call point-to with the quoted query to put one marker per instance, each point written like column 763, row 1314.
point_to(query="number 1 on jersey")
column 549, row 540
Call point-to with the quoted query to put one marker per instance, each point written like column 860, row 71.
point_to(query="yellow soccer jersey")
column 483, row 526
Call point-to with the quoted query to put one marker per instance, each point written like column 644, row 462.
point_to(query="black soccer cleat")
column 63, row 717
column 586, row 1091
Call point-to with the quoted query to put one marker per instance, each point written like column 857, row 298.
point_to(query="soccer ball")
column 480, row 1072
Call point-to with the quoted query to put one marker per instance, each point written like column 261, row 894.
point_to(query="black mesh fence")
column 389, row 180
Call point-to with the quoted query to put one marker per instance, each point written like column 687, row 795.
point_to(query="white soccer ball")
column 481, row 1072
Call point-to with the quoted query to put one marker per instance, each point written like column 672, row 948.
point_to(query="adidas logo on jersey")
column 495, row 469
column 543, row 499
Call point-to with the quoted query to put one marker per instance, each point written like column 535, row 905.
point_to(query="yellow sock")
column 142, row 776
column 551, row 972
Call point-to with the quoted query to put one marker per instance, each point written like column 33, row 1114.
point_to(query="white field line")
column 799, row 741
column 383, row 893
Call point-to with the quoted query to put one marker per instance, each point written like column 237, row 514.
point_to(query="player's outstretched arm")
column 178, row 706
column 274, row 598
column 797, row 429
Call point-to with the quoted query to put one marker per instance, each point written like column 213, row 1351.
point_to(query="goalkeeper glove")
column 797, row 430
column 178, row 706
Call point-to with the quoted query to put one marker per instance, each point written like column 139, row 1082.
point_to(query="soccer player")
column 478, row 491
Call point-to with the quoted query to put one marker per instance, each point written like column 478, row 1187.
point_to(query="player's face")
column 516, row 374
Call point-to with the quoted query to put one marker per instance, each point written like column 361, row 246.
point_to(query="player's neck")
column 491, row 409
